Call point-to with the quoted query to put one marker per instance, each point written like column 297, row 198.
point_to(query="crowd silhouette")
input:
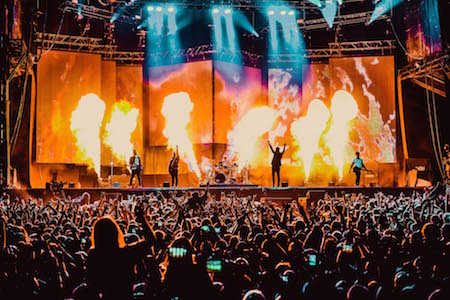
column 188, row 246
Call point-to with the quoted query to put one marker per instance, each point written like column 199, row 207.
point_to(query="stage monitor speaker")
column 416, row 169
column 284, row 184
column 71, row 185
column 166, row 184
column 116, row 185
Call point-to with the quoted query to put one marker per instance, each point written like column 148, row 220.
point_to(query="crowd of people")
column 196, row 246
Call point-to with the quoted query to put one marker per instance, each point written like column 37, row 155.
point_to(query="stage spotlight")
column 291, row 13
column 283, row 12
column 159, row 9
column 215, row 11
column 271, row 12
column 171, row 9
column 227, row 11
column 382, row 7
column 150, row 8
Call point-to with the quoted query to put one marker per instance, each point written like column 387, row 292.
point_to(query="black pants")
column 358, row 175
column 174, row 175
column 138, row 174
column 277, row 171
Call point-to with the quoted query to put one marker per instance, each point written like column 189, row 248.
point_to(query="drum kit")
column 227, row 173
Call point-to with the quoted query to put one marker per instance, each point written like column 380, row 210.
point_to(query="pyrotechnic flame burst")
column 85, row 124
column 177, row 110
column 343, row 109
column 307, row 131
column 243, row 138
column 118, row 131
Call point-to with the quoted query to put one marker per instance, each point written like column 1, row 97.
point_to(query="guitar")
column 136, row 167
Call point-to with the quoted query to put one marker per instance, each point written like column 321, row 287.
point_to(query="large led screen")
column 63, row 78
column 237, row 89
column 186, row 90
column 82, row 118
column 328, row 112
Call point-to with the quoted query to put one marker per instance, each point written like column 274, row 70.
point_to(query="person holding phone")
column 184, row 278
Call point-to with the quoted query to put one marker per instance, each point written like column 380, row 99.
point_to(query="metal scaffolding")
column 429, row 73
column 109, row 52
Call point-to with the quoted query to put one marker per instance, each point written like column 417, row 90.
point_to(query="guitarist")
column 136, row 167
column 357, row 166
column 173, row 168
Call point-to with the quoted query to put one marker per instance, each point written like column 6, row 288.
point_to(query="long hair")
column 107, row 235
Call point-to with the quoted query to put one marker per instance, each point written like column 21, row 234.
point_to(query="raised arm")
column 271, row 149
column 284, row 149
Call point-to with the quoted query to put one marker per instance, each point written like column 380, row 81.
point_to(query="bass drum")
column 220, row 178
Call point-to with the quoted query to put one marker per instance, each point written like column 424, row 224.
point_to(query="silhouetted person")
column 110, row 264
column 276, row 162
column 357, row 166
column 136, row 167
column 173, row 167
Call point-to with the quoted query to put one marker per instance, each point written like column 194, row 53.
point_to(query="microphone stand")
column 378, row 169
column 112, row 171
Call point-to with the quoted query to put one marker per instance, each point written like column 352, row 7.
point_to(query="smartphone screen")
column 348, row 248
column 284, row 278
column 214, row 265
column 83, row 240
column 217, row 230
column 312, row 260
column 205, row 228
column 177, row 252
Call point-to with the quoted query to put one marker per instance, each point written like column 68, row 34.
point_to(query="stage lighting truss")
column 95, row 45
column 429, row 73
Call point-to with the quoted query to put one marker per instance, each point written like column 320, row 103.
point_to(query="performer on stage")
column 136, row 167
column 276, row 162
column 357, row 166
column 173, row 167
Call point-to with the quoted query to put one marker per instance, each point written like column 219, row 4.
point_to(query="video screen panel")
column 328, row 112
column 191, row 81
column 371, row 83
column 237, row 89
column 285, row 98
column 122, row 129
column 62, row 79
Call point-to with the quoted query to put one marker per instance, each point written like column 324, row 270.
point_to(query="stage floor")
column 269, row 193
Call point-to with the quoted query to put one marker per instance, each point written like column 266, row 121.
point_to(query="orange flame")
column 307, row 131
column 343, row 109
column 177, row 110
column 85, row 124
column 118, row 131
column 242, row 140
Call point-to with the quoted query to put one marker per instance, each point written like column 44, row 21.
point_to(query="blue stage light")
column 215, row 11
column 150, row 8
column 159, row 9
column 290, row 41
column 328, row 9
column 383, row 7
column 171, row 9
column 227, row 11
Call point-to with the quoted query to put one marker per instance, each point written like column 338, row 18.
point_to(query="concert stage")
column 276, row 195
